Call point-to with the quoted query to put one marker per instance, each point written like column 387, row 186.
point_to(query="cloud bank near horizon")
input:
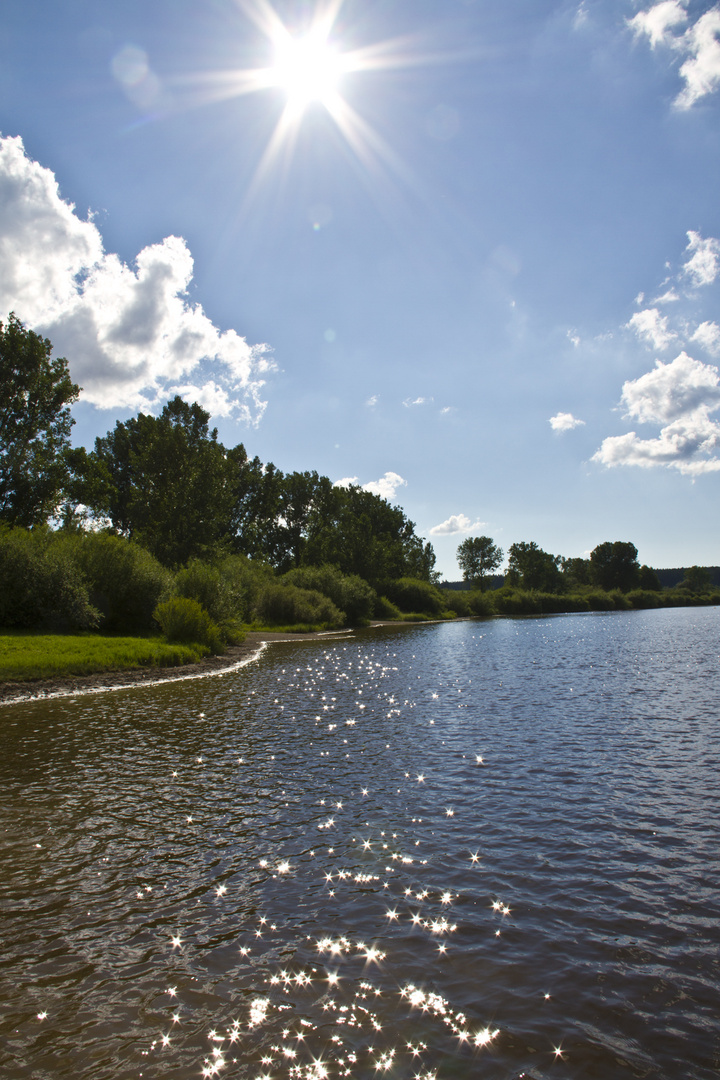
column 130, row 334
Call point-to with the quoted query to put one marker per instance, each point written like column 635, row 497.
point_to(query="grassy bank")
column 25, row 656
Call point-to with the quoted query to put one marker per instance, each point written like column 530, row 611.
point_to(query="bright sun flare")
column 308, row 69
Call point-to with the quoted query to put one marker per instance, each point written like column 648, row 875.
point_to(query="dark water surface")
column 465, row 850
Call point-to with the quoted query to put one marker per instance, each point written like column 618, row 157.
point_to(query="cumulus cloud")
column 565, row 421
column 703, row 266
column 708, row 335
column 658, row 22
column 409, row 402
column 652, row 327
column 130, row 334
column 679, row 396
column 385, row 487
column 456, row 523
column 699, row 45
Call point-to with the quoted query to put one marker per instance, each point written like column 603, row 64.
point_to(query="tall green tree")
column 166, row 482
column 478, row 557
column 36, row 393
column 615, row 565
column 529, row 567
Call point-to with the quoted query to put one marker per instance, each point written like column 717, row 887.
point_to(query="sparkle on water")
column 306, row 902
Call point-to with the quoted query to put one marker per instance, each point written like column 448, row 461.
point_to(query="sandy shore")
column 113, row 680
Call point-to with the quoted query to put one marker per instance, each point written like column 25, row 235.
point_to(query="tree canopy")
column 36, row 393
column 477, row 557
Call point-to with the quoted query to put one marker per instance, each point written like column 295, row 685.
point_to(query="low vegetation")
column 25, row 656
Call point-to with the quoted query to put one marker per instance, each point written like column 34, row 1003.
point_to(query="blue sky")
column 479, row 270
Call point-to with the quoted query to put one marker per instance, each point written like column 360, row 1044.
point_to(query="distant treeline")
column 668, row 578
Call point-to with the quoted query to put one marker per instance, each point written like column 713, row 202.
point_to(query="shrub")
column 216, row 593
column 185, row 621
column 40, row 584
column 245, row 579
column 459, row 602
column 126, row 582
column 385, row 609
column 348, row 592
column 410, row 594
column 510, row 601
column 284, row 605
column 644, row 598
column 481, row 603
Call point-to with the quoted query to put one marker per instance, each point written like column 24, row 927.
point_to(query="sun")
column 308, row 69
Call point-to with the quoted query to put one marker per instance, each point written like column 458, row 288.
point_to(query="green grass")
column 45, row 656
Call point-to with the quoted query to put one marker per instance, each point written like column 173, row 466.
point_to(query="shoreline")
column 14, row 693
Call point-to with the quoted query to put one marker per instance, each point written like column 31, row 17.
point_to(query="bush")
column 216, row 593
column 285, row 605
column 40, row 584
column 185, row 621
column 481, row 603
column 644, row 598
column 459, row 602
column 385, row 609
column 410, row 594
column 126, row 582
column 510, row 601
column 348, row 592
column 245, row 579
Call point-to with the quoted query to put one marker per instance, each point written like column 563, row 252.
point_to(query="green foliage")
column 615, row 566
column 36, row 393
column 530, row 568
column 478, row 557
column 165, row 482
column 576, row 572
column 643, row 598
column 648, row 579
column 696, row 580
column 217, row 593
column 286, row 604
column 386, row 610
column 412, row 595
column 40, row 583
column 126, row 583
column 480, row 603
column 348, row 592
column 26, row 656
column 186, row 621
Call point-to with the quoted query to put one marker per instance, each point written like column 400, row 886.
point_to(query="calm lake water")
column 465, row 850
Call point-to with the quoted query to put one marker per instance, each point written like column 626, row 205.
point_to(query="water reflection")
column 470, row 849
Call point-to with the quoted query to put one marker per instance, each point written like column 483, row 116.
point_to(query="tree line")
column 168, row 484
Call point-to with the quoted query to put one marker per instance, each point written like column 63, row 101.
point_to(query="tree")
column 477, row 557
column 529, row 567
column 696, row 580
column 36, row 393
column 615, row 565
column 165, row 482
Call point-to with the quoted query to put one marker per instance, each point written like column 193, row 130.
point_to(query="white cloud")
column 701, row 70
column 658, row 21
column 703, row 266
column 385, row 487
column 573, row 337
column 409, row 402
column 667, row 297
column 672, row 390
column 708, row 335
column 130, row 335
column 456, row 523
column 699, row 43
column 679, row 395
column 564, row 421
column 372, row 401
column 651, row 326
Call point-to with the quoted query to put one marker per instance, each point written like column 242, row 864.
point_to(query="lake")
column 472, row 849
